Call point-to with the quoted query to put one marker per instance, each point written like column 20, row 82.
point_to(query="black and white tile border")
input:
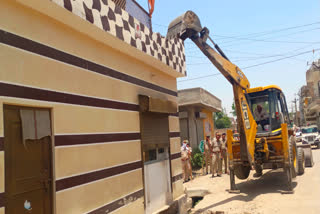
column 112, row 19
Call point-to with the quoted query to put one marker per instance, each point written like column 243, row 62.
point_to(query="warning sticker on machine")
column 245, row 115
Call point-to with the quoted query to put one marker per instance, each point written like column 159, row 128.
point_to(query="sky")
column 249, row 32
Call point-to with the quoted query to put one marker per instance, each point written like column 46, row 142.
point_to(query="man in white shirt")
column 189, row 156
column 261, row 116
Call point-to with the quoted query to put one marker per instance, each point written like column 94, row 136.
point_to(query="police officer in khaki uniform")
column 207, row 153
column 216, row 152
column 224, row 154
column 185, row 163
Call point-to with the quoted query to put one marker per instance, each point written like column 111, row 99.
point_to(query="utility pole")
column 292, row 111
column 295, row 108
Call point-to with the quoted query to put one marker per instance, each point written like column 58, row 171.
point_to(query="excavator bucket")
column 184, row 26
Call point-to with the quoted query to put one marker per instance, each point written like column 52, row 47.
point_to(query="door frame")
column 142, row 157
column 52, row 148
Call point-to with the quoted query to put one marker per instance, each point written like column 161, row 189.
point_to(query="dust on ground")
column 262, row 195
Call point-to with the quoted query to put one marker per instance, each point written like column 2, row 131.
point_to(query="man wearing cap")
column 224, row 154
column 185, row 160
column 207, row 153
column 216, row 149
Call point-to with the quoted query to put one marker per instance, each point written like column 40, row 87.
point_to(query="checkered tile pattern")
column 112, row 19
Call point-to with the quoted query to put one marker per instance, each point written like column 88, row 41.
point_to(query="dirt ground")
column 262, row 195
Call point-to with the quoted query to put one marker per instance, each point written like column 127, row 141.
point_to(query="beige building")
column 88, row 109
column 196, row 108
column 310, row 96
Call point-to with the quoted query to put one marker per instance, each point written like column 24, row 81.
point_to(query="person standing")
column 224, row 154
column 207, row 153
column 189, row 156
column 216, row 151
column 185, row 160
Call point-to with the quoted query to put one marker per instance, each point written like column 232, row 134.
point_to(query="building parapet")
column 134, row 9
column 199, row 97
column 106, row 15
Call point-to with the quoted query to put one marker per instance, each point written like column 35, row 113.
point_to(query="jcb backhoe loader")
column 262, row 114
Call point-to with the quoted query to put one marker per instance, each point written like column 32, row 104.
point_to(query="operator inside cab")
column 261, row 117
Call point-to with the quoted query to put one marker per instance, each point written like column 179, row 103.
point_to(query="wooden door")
column 28, row 176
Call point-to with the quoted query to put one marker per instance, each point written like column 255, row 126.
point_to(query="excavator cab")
column 269, row 109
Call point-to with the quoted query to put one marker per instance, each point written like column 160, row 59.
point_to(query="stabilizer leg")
column 233, row 188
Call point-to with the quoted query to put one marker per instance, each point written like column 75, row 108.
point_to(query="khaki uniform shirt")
column 216, row 145
column 224, row 144
column 207, row 146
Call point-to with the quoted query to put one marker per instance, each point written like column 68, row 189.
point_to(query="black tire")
column 300, row 161
column 289, row 178
column 308, row 157
column 318, row 145
column 242, row 172
column 293, row 156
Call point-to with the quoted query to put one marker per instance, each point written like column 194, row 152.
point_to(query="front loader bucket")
column 184, row 26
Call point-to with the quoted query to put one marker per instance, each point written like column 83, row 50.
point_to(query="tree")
column 233, row 112
column 221, row 120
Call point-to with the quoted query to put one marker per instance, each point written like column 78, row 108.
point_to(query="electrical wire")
column 235, row 39
column 255, row 65
column 276, row 60
column 249, row 40
column 247, row 58
column 253, row 35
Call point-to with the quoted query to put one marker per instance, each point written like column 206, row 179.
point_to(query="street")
column 262, row 195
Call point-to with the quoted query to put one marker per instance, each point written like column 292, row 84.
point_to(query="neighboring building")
column 311, row 95
column 196, row 108
column 304, row 96
column 89, row 115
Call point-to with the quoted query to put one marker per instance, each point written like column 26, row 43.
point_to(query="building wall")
column 92, row 91
column 208, row 125
column 197, row 128
column 311, row 112
column 313, row 79
column 107, row 16
column 194, row 126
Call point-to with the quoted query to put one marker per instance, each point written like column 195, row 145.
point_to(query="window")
column 284, row 109
column 309, row 130
column 261, row 112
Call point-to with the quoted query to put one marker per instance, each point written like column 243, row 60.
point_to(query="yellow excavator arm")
column 188, row 26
